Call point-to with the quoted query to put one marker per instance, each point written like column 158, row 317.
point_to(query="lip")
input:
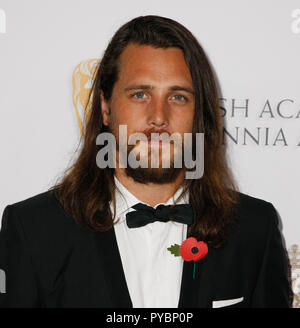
column 155, row 142
column 151, row 143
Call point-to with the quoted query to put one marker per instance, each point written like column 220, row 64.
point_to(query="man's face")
column 154, row 93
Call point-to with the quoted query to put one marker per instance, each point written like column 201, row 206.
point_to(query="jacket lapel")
column 113, row 269
column 194, row 293
column 198, row 293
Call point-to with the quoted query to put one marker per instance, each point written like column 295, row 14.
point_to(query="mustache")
column 148, row 132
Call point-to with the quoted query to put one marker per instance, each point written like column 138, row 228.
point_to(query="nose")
column 158, row 115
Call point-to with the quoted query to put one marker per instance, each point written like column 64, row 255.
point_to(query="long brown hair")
column 85, row 191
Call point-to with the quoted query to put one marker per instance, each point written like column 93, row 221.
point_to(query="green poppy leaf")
column 174, row 249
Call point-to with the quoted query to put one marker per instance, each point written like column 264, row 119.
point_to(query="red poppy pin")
column 190, row 250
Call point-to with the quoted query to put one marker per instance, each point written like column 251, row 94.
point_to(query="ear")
column 104, row 109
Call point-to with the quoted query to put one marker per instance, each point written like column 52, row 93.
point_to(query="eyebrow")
column 149, row 87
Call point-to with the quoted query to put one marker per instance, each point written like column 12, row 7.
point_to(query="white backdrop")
column 254, row 47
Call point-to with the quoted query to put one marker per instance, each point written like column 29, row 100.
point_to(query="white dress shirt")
column 152, row 273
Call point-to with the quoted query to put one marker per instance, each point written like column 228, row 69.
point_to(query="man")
column 101, row 237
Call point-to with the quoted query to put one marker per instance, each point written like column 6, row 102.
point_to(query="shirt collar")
column 125, row 200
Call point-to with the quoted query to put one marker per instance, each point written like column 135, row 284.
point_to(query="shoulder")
column 256, row 217
column 41, row 214
column 41, row 200
column 252, row 206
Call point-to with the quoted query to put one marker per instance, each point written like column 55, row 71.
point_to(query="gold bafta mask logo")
column 82, row 83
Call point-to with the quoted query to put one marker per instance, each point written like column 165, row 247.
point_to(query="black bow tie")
column 145, row 214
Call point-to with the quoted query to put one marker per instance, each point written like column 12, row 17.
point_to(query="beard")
column 157, row 175
column 153, row 175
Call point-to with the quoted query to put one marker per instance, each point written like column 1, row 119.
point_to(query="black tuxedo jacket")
column 49, row 261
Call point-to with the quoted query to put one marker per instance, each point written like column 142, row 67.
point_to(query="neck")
column 150, row 193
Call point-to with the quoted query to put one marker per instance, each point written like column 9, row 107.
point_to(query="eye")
column 179, row 98
column 139, row 95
